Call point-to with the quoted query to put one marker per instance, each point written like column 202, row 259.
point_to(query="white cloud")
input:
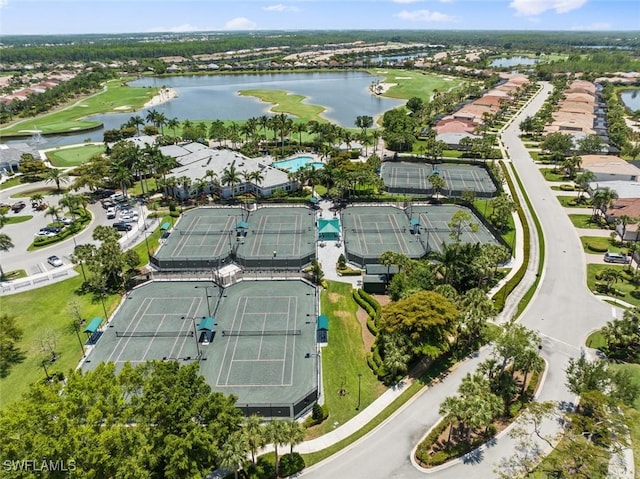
column 536, row 7
column 446, row 1
column 3, row 3
column 593, row 26
column 424, row 16
column 406, row 1
column 240, row 23
column 280, row 8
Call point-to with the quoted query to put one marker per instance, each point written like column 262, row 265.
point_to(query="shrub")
column 376, row 355
column 372, row 364
column 290, row 464
column 597, row 247
column 342, row 261
column 567, row 187
column 317, row 413
column 263, row 469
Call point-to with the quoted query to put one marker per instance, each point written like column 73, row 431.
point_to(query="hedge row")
column 371, row 306
column 501, row 296
column 82, row 220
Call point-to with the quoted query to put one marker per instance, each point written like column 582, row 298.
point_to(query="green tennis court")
column 259, row 345
column 278, row 237
column 370, row 231
column 434, row 226
column 413, row 178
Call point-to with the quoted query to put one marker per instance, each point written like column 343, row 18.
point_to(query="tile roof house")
column 610, row 168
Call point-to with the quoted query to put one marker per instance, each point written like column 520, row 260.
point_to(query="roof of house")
column 608, row 164
column 625, row 206
column 453, row 138
column 455, row 125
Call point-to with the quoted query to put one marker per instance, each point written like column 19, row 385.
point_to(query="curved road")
column 563, row 311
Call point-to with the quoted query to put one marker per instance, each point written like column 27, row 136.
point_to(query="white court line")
column 235, row 346
column 126, row 340
column 224, row 357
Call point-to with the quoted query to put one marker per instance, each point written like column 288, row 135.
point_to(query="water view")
column 513, row 61
column 200, row 97
column 631, row 99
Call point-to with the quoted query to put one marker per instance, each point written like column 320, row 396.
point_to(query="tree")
column 5, row 245
column 557, row 145
column 437, row 183
column 571, row 165
column 254, row 432
column 10, row 334
column 294, row 432
column 603, row 199
column 623, row 336
column 316, row 272
column 231, row 177
column 502, row 207
column 590, row 145
column 426, row 319
column 583, row 179
column 232, row 455
column 460, row 221
column 57, row 176
column 276, row 434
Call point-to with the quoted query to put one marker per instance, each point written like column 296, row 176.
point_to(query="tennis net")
column 380, row 230
column 153, row 334
column 207, row 232
column 280, row 232
column 271, row 332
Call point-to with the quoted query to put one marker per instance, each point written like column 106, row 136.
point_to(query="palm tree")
column 603, row 199
column 437, row 183
column 137, row 121
column 276, row 434
column 231, row 177
column 376, row 135
column 582, row 180
column 151, row 116
column 36, row 198
column 71, row 202
column 57, row 176
column 53, row 211
column 254, row 432
column 173, row 123
column 233, row 453
column 5, row 245
column 294, row 432
column 450, row 409
column 122, row 175
column 300, row 128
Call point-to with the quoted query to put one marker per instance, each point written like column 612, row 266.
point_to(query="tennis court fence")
column 205, row 232
column 266, row 332
column 153, row 334
column 380, row 230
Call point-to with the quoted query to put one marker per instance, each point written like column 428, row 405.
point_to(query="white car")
column 129, row 218
column 54, row 261
column 45, row 233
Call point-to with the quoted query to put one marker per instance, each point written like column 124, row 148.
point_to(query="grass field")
column 65, row 157
column 343, row 359
column 410, row 83
column 285, row 102
column 45, row 313
column 486, row 209
column 113, row 98
column 570, row 202
column 11, row 182
column 584, row 221
column 12, row 220
column 599, row 242
column 624, row 286
column 551, row 175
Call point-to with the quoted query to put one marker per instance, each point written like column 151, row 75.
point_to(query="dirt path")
column 367, row 338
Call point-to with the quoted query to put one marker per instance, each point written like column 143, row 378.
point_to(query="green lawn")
column 11, row 182
column 12, row 220
column 550, row 174
column 486, row 209
column 597, row 243
column 629, row 290
column 596, row 340
column 45, row 313
column 114, row 98
column 152, row 241
column 570, row 202
column 343, row 359
column 44, row 190
column 412, row 83
column 65, row 157
column 584, row 221
column 285, row 102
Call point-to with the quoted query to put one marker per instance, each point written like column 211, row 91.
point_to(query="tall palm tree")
column 233, row 453
column 53, row 211
column 137, row 121
column 71, row 202
column 254, row 432
column 231, row 177
column 173, row 123
column 294, row 432
column 121, row 175
column 57, row 176
column 276, row 434
column 5, row 245
column 300, row 128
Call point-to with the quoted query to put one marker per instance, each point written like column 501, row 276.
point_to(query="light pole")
column 75, row 326
column 359, row 381
column 44, row 361
column 195, row 334
column 106, row 316
column 206, row 294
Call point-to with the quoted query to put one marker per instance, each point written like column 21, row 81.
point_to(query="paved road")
column 563, row 311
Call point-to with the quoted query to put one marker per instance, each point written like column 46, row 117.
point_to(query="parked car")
column 17, row 206
column 111, row 213
column 129, row 218
column 122, row 226
column 45, row 233
column 54, row 261
column 616, row 258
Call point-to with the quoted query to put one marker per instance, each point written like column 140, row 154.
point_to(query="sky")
column 18, row 17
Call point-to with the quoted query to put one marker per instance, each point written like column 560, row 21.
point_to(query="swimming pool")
column 294, row 164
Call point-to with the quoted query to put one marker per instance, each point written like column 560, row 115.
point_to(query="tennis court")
column 260, row 344
column 413, row 178
column 433, row 223
column 278, row 237
column 206, row 235
column 369, row 231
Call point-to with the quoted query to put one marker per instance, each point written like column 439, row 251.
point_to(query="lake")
column 631, row 99
column 209, row 97
column 513, row 61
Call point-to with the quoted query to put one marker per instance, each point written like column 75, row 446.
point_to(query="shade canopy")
column 243, row 225
column 314, row 200
column 207, row 324
column 165, row 226
column 323, row 323
column 415, row 222
column 93, row 325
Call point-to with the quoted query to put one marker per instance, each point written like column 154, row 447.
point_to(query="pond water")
column 204, row 97
column 513, row 61
column 631, row 99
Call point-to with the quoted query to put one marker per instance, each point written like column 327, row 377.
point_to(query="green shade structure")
column 93, row 325
column 207, row 324
column 242, row 225
column 165, row 226
column 323, row 323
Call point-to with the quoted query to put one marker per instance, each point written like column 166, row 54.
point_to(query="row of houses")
column 39, row 83
column 464, row 122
